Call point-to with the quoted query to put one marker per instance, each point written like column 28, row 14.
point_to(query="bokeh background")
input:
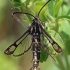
column 11, row 30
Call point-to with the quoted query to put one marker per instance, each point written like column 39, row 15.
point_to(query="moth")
column 36, row 31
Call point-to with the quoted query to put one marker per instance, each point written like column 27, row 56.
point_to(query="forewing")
column 23, row 46
column 56, row 47
column 18, row 46
column 22, row 40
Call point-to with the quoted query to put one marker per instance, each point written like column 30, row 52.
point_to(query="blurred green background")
column 57, row 12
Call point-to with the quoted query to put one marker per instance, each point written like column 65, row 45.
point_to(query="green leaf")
column 65, row 34
column 65, row 16
column 42, row 15
column 27, row 2
column 66, row 39
column 51, row 7
column 17, row 5
column 57, row 7
column 67, row 45
column 43, row 55
column 16, row 1
column 68, row 12
column 65, row 27
column 38, row 5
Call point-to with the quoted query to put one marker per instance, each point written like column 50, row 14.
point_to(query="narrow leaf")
column 57, row 7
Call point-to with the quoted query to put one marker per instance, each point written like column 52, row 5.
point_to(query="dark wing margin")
column 56, row 47
column 23, row 52
column 9, row 51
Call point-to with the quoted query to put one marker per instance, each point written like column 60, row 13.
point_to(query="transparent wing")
column 24, row 40
column 24, row 47
column 47, row 50
column 56, row 47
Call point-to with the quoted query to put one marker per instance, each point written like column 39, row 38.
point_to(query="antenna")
column 43, row 7
column 22, row 13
